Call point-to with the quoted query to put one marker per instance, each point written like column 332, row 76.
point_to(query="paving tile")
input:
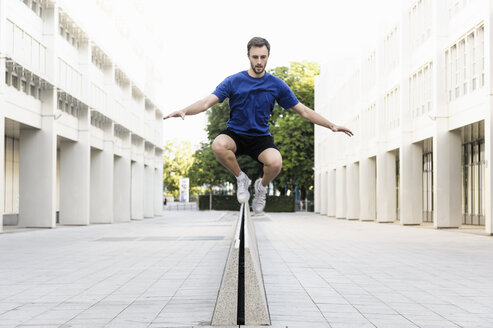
column 318, row 272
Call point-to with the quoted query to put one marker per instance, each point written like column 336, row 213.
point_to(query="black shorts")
column 252, row 146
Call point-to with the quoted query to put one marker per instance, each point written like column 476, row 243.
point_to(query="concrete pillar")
column 316, row 196
column 137, row 180
column 122, row 184
column 2, row 117
column 137, row 191
column 488, row 124
column 386, row 195
column 410, row 155
column 2, row 166
column 148, row 191
column 367, row 189
column 323, row 192
column 158, row 184
column 331, row 193
column 341, row 192
column 352, row 191
column 75, row 176
column 447, row 183
column 37, row 168
column 411, row 184
column 102, row 179
column 488, row 129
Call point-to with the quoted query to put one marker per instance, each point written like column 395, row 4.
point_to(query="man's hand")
column 337, row 128
column 177, row 113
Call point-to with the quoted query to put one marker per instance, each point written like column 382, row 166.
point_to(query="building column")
column 331, row 193
column 488, row 124
column 488, row 148
column 341, row 192
column 122, row 184
column 447, row 184
column 37, row 169
column 75, row 176
column 386, row 197
column 352, row 191
column 149, row 191
column 323, row 193
column 158, row 183
column 2, row 165
column 3, row 22
column 137, row 180
column 367, row 189
column 316, row 196
column 102, row 179
column 411, row 184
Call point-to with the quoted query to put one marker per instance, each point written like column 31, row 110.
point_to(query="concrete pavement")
column 318, row 272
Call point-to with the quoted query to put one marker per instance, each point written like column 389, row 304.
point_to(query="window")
column 421, row 90
column 464, row 64
column 68, row 30
column 420, row 22
column 392, row 108
column 15, row 81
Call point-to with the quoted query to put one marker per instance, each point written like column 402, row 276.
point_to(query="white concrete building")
column 420, row 104
column 82, row 132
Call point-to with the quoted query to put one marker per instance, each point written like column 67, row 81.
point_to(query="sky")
column 203, row 42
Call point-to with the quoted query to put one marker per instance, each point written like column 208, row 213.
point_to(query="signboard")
column 184, row 188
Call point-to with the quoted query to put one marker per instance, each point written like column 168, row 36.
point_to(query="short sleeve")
column 223, row 90
column 286, row 98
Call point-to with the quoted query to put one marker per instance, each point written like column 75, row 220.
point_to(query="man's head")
column 258, row 54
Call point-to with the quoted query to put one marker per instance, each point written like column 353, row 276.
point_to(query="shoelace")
column 261, row 196
column 242, row 184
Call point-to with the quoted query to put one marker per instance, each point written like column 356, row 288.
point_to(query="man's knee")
column 277, row 163
column 273, row 160
column 221, row 144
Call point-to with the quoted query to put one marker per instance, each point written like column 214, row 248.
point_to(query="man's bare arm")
column 314, row 117
column 195, row 108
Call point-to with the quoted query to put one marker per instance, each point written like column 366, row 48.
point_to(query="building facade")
column 82, row 132
column 420, row 105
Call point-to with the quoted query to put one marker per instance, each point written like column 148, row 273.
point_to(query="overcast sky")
column 205, row 41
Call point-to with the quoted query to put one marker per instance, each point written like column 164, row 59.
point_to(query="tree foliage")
column 178, row 159
column 293, row 134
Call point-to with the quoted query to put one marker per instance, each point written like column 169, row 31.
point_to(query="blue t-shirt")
column 251, row 101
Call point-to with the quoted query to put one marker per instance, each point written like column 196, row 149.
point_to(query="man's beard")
column 254, row 68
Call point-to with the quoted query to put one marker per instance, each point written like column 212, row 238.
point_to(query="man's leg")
column 272, row 160
column 224, row 148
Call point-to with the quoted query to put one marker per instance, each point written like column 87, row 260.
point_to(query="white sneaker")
column 242, row 192
column 258, row 203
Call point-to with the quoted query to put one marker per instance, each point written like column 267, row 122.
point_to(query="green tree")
column 178, row 159
column 293, row 134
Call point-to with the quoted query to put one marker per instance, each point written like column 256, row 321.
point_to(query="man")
column 252, row 94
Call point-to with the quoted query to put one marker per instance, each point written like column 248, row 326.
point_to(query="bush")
column 230, row 203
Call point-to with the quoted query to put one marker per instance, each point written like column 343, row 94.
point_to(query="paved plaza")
column 318, row 272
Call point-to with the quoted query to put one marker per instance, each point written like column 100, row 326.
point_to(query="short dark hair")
column 258, row 42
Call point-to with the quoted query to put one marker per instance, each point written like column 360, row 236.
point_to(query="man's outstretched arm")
column 195, row 108
column 314, row 117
